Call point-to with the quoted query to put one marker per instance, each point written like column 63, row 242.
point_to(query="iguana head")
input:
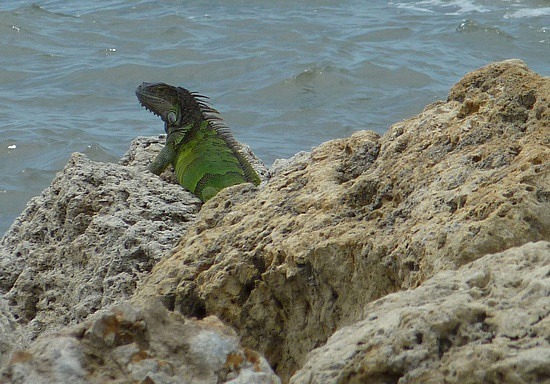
column 176, row 106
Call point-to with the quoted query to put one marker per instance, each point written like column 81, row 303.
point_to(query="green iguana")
column 199, row 145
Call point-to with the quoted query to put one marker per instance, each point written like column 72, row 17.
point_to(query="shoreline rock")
column 87, row 239
column 307, row 253
column 487, row 322
column 140, row 344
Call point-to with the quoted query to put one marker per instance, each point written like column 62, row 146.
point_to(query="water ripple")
column 286, row 76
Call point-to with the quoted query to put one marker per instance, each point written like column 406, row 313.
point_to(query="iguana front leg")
column 165, row 157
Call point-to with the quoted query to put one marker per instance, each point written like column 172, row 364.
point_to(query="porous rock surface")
column 12, row 334
column 87, row 239
column 139, row 344
column 487, row 322
column 361, row 217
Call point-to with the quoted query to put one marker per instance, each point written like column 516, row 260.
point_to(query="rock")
column 487, row 322
column 144, row 344
column 87, row 240
column 142, row 151
column 361, row 217
column 11, row 334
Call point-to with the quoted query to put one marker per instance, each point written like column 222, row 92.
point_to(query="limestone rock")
column 142, row 151
column 11, row 334
column 87, row 239
column 361, row 217
column 488, row 322
column 139, row 344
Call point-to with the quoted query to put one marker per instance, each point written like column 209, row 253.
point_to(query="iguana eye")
column 171, row 117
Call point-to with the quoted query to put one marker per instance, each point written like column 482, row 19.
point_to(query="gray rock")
column 139, row 344
column 84, row 244
column 87, row 239
column 11, row 334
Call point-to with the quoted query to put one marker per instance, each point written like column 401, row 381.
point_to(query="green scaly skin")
column 200, row 147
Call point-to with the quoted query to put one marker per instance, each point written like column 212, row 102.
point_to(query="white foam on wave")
column 527, row 13
column 456, row 7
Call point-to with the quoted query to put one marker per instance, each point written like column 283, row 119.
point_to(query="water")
column 285, row 75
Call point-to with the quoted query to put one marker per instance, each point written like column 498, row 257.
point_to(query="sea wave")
column 286, row 76
column 528, row 13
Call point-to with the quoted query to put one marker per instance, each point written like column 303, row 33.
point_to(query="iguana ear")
column 171, row 118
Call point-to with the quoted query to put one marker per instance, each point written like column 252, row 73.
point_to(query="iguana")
column 199, row 145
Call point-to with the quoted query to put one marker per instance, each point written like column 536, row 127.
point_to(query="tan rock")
column 139, row 344
column 488, row 322
column 365, row 216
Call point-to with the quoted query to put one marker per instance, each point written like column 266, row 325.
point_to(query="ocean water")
column 285, row 75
